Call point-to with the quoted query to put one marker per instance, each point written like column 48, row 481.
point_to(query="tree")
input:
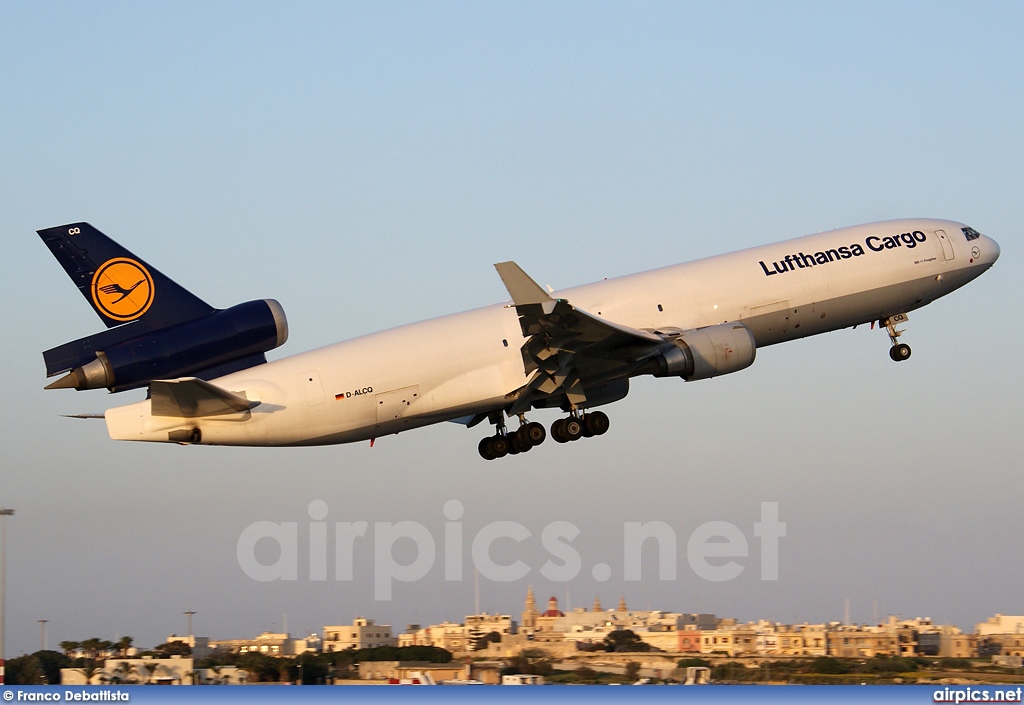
column 51, row 663
column 123, row 644
column 70, row 646
column 691, row 662
column 173, row 648
column 260, row 667
column 632, row 671
column 91, row 647
column 586, row 674
column 151, row 668
column 24, row 670
column 625, row 640
column 530, row 662
column 829, row 665
column 89, row 669
column 123, row 672
column 314, row 669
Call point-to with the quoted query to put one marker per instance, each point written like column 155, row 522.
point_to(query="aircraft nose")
column 992, row 250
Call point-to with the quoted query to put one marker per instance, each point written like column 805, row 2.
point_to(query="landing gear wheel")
column 517, row 443
column 500, row 445
column 572, row 428
column 558, row 431
column 899, row 352
column 522, row 437
column 535, row 433
column 596, row 423
column 486, row 448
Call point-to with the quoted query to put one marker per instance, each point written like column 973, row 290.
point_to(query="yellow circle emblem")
column 122, row 289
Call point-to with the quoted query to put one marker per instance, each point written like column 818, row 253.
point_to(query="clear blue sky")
column 366, row 163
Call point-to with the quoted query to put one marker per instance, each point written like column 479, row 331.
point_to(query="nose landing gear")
column 899, row 351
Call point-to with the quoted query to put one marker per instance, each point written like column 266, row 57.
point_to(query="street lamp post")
column 191, row 639
column 42, row 633
column 4, row 513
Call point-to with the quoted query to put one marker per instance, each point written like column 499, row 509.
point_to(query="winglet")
column 190, row 397
column 524, row 291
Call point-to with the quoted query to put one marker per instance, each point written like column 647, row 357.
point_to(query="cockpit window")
column 971, row 233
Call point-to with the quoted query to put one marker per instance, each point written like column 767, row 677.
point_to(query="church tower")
column 529, row 621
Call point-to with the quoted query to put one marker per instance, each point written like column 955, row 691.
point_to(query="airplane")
column 209, row 381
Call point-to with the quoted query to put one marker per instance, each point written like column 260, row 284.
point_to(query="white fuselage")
column 467, row 363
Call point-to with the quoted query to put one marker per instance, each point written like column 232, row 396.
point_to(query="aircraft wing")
column 568, row 347
column 190, row 397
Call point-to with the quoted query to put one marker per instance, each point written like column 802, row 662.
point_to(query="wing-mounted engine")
column 707, row 352
column 130, row 356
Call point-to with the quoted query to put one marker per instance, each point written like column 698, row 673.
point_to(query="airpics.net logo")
column 714, row 550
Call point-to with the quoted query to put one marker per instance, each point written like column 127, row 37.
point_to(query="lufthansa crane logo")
column 122, row 289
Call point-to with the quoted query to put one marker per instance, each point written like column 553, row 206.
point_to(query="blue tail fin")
column 119, row 286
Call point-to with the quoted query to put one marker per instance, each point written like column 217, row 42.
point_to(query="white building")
column 200, row 645
column 164, row 671
column 1000, row 624
column 269, row 643
column 361, row 634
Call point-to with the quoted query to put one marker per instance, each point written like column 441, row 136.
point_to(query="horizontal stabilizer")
column 190, row 397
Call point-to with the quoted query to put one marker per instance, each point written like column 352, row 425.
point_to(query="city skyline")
column 365, row 165
column 519, row 619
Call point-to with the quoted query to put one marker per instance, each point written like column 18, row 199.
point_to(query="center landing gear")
column 899, row 351
column 503, row 443
column 575, row 427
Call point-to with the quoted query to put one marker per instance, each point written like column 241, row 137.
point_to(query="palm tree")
column 70, row 646
column 125, row 669
column 123, row 644
column 91, row 647
column 89, row 669
column 151, row 667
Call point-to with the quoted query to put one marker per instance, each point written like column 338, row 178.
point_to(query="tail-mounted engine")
column 214, row 345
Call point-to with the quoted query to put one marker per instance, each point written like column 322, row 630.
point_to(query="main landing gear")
column 899, row 351
column 529, row 435
column 503, row 443
column 574, row 427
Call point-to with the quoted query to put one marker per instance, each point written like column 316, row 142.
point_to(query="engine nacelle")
column 210, row 343
column 708, row 352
